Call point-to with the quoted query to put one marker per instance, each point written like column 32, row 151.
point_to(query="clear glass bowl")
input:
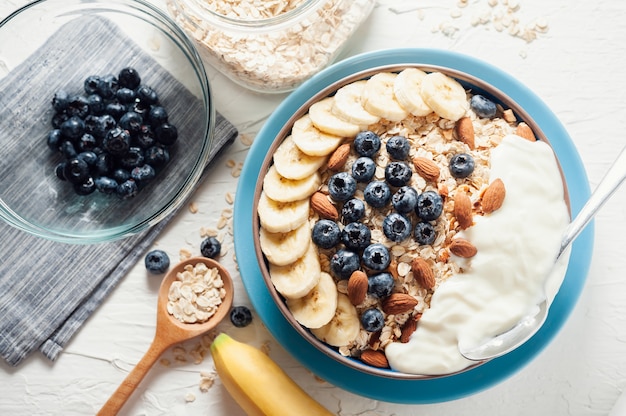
column 129, row 33
column 269, row 50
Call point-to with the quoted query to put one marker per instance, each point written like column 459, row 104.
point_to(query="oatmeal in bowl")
column 405, row 210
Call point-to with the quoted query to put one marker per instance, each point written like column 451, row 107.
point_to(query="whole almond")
column 339, row 157
column 463, row 210
column 462, row 248
column 323, row 207
column 493, row 197
column 523, row 130
column 423, row 273
column 426, row 168
column 357, row 287
column 465, row 131
column 408, row 328
column 398, row 303
column 374, row 358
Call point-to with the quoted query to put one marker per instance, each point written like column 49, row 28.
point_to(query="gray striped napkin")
column 49, row 289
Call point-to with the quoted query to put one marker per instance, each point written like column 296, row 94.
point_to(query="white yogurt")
column 516, row 246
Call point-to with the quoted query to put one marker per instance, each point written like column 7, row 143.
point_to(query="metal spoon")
column 530, row 324
column 169, row 331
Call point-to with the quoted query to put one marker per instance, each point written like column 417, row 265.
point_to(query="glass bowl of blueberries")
column 106, row 118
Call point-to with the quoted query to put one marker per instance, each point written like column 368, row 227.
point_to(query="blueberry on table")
column 132, row 158
column 73, row 128
column 352, row 210
column 461, row 165
column 91, row 84
column 132, row 122
column 127, row 189
column 424, row 233
column 397, row 227
column 210, row 247
column 363, row 169
column 483, row 106
column 76, row 170
column 398, row 147
column 87, row 142
column 343, row 263
column 429, row 206
column 404, row 199
column 147, row 96
column 67, row 149
column 145, row 137
column 125, row 95
column 116, row 141
column 398, row 173
column 157, row 115
column 156, row 156
column 86, row 187
column 166, row 134
column 341, row 186
column 367, row 143
column 356, row 236
column 376, row 257
column 96, row 104
column 54, row 138
column 143, row 174
column 89, row 157
column 377, row 194
column 60, row 101
column 326, row 234
column 157, row 261
column 380, row 285
column 78, row 106
column 240, row 316
column 372, row 320
column 121, row 175
column 105, row 184
column 107, row 86
column 115, row 109
column 129, row 78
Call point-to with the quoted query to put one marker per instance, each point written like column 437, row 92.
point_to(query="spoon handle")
column 607, row 186
column 132, row 380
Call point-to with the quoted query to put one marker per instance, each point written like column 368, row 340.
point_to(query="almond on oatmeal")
column 374, row 358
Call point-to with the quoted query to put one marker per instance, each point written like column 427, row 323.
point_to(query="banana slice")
column 295, row 280
column 310, row 140
column 318, row 307
column 343, row 328
column 324, row 119
column 349, row 107
column 281, row 189
column 444, row 95
column 282, row 217
column 285, row 248
column 380, row 99
column 292, row 163
column 407, row 90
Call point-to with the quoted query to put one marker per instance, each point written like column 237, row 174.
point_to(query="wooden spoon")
column 169, row 331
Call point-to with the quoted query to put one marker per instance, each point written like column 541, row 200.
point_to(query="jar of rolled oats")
column 270, row 46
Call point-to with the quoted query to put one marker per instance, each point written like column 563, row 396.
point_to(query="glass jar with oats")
column 270, row 46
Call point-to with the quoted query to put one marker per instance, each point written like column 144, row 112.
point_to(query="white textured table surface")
column 577, row 67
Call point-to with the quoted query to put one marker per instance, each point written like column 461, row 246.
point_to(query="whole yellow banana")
column 257, row 383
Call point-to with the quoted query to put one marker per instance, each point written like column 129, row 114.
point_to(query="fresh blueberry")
column 129, row 78
column 90, row 157
column 73, row 128
column 356, row 236
column 85, row 188
column 107, row 86
column 58, row 119
column 156, row 156
column 166, row 134
column 398, row 147
column 105, row 184
column 147, row 96
column 372, row 320
column 396, row 227
column 210, row 247
column 398, row 173
column 54, row 139
column 132, row 158
column 60, row 101
column 67, row 149
column 380, row 285
column 104, row 165
column 483, row 107
column 96, row 104
column 341, row 186
column 87, row 142
column 367, row 143
column 145, row 138
column 363, row 169
column 116, row 141
column 157, row 261
column 240, row 316
column 78, row 106
column 91, row 84
column 115, row 109
column 127, row 189
column 125, row 95
column 376, row 257
column 143, row 174
column 121, row 175
column 377, row 194
column 461, row 165
column 76, row 170
column 58, row 170
column 157, row 115
column 344, row 262
column 352, row 210
column 429, row 206
column 424, row 233
column 404, row 199
column 326, row 234
column 132, row 122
